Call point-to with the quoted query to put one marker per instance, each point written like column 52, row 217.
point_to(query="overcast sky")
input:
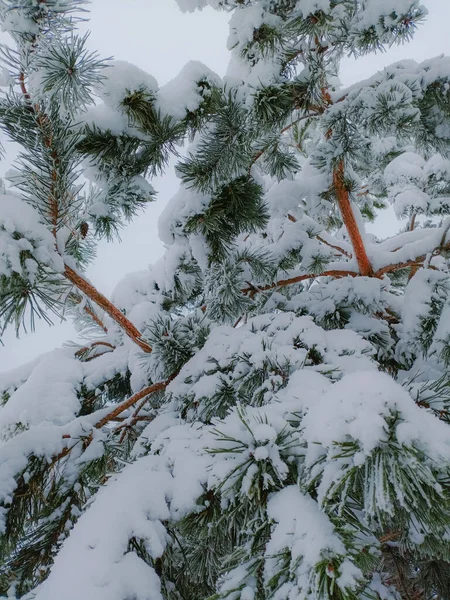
column 157, row 37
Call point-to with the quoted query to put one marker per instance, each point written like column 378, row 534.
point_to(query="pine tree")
column 264, row 413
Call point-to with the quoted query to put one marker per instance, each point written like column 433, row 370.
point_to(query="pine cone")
column 84, row 228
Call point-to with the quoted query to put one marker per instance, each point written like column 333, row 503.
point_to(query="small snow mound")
column 187, row 90
column 122, row 79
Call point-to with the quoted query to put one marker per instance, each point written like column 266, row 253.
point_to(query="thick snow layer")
column 39, row 415
column 18, row 217
column 231, row 355
column 409, row 246
column 375, row 10
column 105, row 117
column 425, row 288
column 306, row 532
column 438, row 166
column 11, row 380
column 411, row 200
column 105, row 367
column 41, row 441
column 356, row 409
column 121, row 79
column 408, row 71
column 285, row 196
column 48, row 396
column 44, row 442
column 134, row 503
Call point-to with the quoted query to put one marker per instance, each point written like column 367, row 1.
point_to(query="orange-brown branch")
column 345, row 207
column 342, row 197
column 93, row 294
column 283, row 282
column 126, row 404
column 415, row 264
column 135, row 420
column 23, row 88
column 114, row 414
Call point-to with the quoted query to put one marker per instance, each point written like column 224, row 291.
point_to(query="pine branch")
column 89, row 290
column 341, row 191
column 414, row 264
column 261, row 152
column 124, row 420
column 23, row 88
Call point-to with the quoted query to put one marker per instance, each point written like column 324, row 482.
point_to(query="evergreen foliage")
column 264, row 413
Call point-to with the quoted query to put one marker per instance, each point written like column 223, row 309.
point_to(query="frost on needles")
column 263, row 413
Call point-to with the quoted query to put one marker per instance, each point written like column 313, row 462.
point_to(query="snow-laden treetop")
column 263, row 414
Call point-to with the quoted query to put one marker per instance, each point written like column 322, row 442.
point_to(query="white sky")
column 156, row 36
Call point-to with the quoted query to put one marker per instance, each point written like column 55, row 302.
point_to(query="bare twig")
column 337, row 248
column 95, row 318
column 318, row 237
column 134, row 419
column 237, row 322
